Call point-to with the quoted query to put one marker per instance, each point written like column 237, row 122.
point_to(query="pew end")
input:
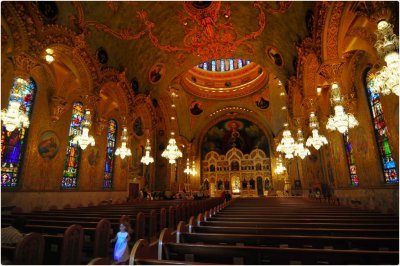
column 200, row 218
column 143, row 250
column 167, row 236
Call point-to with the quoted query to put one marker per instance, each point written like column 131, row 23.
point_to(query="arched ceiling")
column 169, row 39
column 120, row 27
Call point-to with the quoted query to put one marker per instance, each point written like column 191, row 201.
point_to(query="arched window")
column 351, row 162
column 13, row 143
column 109, row 163
column 381, row 134
column 71, row 167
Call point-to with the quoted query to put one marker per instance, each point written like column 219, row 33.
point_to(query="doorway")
column 260, row 189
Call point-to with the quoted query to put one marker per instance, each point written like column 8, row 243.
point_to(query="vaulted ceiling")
column 168, row 39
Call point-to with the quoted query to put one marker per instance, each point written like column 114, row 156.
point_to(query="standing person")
column 121, row 249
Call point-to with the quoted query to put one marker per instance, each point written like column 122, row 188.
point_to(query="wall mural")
column 238, row 133
column 48, row 145
column 156, row 73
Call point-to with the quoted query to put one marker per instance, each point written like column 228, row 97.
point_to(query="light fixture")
column 187, row 171
column 123, row 151
column 49, row 56
column 147, row 159
column 280, row 168
column 340, row 121
column 319, row 90
column 193, row 172
column 84, row 139
column 172, row 151
column 300, row 150
column 13, row 117
column 287, row 144
column 387, row 79
column 315, row 139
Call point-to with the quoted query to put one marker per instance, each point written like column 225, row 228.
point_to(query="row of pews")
column 76, row 235
column 276, row 231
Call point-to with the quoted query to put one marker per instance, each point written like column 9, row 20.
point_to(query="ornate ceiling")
column 158, row 46
column 136, row 35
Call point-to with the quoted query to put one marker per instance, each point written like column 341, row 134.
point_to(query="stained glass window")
column 72, row 160
column 231, row 64
column 109, row 164
column 351, row 162
column 240, row 64
column 381, row 134
column 13, row 143
column 222, row 65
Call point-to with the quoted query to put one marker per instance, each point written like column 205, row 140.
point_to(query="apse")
column 234, row 133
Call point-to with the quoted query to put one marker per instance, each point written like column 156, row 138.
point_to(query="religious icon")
column 252, row 183
column 275, row 56
column 195, row 108
column 49, row 145
column 244, row 183
column 262, row 103
column 156, row 73
column 138, row 127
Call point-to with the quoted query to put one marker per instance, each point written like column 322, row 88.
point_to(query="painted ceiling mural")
column 238, row 133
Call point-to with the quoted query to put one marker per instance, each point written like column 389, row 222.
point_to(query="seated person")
column 12, row 234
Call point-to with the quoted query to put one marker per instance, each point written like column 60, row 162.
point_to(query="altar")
column 245, row 175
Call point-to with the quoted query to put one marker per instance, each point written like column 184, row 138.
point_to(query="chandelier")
column 287, row 144
column 147, row 159
column 84, row 139
column 123, row 151
column 194, row 172
column 315, row 139
column 387, row 79
column 280, row 168
column 187, row 171
column 300, row 150
column 13, row 117
column 341, row 121
column 172, row 151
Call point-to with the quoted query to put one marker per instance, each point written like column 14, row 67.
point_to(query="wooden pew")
column 228, row 254
column 29, row 251
column 333, row 242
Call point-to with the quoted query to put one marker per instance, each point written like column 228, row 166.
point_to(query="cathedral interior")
column 102, row 101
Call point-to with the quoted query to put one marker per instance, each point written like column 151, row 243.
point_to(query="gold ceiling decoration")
column 209, row 32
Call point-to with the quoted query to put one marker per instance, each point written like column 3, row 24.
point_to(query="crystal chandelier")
column 123, row 151
column 13, row 117
column 280, row 168
column 172, row 151
column 187, row 171
column 315, row 139
column 84, row 139
column 300, row 150
column 287, row 144
column 387, row 79
column 147, row 159
column 341, row 121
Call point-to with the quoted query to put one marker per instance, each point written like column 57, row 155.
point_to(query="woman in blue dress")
column 121, row 250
